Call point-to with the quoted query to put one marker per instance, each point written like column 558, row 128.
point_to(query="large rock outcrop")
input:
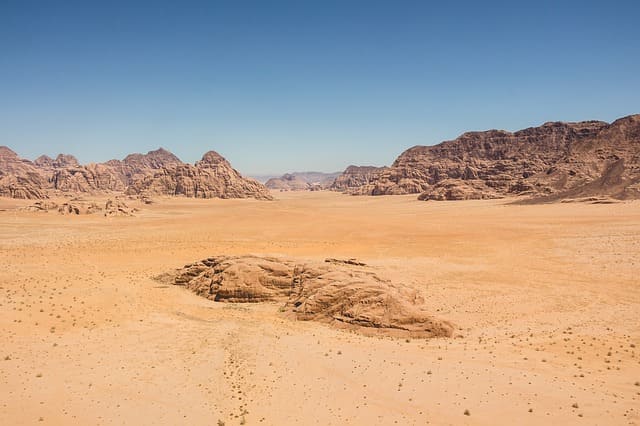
column 341, row 293
column 158, row 172
column 211, row 177
column 356, row 177
column 20, row 178
column 554, row 161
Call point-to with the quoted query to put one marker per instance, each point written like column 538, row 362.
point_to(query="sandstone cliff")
column 554, row 161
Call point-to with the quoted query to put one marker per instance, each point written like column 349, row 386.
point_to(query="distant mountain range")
column 158, row 172
column 302, row 181
column 552, row 162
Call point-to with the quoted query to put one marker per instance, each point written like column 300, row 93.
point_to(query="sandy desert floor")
column 545, row 298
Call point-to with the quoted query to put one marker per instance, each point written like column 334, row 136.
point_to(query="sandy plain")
column 545, row 299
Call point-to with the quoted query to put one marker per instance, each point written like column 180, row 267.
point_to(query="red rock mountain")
column 158, row 172
column 554, row 161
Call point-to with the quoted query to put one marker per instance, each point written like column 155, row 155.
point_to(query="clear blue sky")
column 277, row 86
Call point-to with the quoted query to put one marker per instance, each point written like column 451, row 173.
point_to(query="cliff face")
column 553, row 161
column 356, row 177
column 20, row 178
column 155, row 173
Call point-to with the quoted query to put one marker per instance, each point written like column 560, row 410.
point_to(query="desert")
column 543, row 299
column 370, row 213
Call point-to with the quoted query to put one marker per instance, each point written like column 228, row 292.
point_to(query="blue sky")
column 277, row 86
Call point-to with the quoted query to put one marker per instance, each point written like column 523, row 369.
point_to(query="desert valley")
column 492, row 279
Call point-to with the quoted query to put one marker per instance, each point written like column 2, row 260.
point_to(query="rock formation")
column 287, row 182
column 356, row 177
column 20, row 178
column 547, row 163
column 112, row 207
column 117, row 208
column 78, row 208
column 341, row 293
column 302, row 181
column 211, row 177
column 158, row 172
column 41, row 207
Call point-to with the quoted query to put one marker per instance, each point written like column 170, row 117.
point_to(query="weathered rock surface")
column 341, row 293
column 158, row 172
column 211, row 177
column 20, row 178
column 78, row 208
column 302, row 181
column 112, row 207
column 41, row 207
column 118, row 208
column 551, row 162
column 354, row 178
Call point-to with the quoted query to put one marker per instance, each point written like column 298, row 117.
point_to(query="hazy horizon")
column 288, row 86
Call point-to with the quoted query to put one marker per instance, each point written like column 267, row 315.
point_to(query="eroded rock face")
column 211, row 177
column 355, row 178
column 78, row 208
column 457, row 189
column 550, row 162
column 41, row 207
column 341, row 293
column 117, row 208
column 158, row 172
column 28, row 187
column 112, row 207
column 90, row 178
column 20, row 178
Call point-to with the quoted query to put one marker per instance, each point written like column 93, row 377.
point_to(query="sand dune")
column 545, row 300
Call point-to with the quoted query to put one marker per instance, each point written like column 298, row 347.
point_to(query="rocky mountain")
column 287, row 182
column 554, row 161
column 355, row 177
column 211, row 177
column 302, row 181
column 158, row 172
